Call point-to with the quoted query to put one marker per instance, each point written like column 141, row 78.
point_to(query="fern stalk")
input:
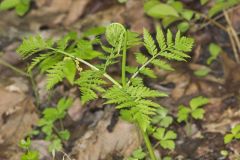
column 124, row 59
column 142, row 67
column 88, row 64
column 148, row 144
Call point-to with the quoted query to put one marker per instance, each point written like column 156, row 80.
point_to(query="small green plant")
column 166, row 138
column 47, row 123
column 195, row 111
column 235, row 134
column 21, row 6
column 221, row 5
column 29, row 153
column 68, row 57
column 138, row 154
column 170, row 12
column 162, row 118
column 214, row 50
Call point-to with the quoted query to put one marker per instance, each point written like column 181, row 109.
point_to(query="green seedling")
column 47, row 123
column 74, row 59
column 214, row 50
column 194, row 111
column 235, row 134
column 138, row 154
column 162, row 118
column 29, row 153
column 165, row 138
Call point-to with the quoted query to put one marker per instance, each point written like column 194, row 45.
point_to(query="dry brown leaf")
column 99, row 143
column 75, row 11
column 18, row 115
column 136, row 16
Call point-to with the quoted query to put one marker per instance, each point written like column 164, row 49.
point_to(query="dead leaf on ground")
column 18, row 115
column 99, row 143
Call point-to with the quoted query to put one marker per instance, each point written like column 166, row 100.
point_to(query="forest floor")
column 96, row 132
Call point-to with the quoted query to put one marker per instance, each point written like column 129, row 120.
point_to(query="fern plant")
column 74, row 59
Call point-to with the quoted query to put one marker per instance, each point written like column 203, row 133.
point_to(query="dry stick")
column 234, row 41
column 213, row 22
column 219, row 16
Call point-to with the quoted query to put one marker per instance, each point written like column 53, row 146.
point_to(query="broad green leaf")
column 202, row 72
column 214, row 50
column 178, row 6
column 139, row 154
column 187, row 14
column 235, row 130
column 167, row 144
column 161, row 10
column 22, row 8
column 65, row 135
column 167, row 21
column 159, row 134
column 170, row 135
column 183, row 113
column 183, row 26
column 228, row 138
column 198, row 113
column 198, row 101
column 8, row 4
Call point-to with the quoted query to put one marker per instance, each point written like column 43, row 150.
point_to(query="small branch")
column 148, row 144
column 143, row 66
column 213, row 21
column 88, row 64
column 2, row 62
column 233, row 37
column 124, row 59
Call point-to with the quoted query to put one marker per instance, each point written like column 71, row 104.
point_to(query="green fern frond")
column 162, row 64
column 55, row 75
column 63, row 69
column 169, row 38
column 132, row 39
column 141, row 59
column 133, row 98
column 137, row 81
column 171, row 56
column 32, row 45
column 183, row 43
column 161, row 38
column 149, row 43
column 89, row 82
column 50, row 61
column 148, row 72
column 37, row 60
column 115, row 34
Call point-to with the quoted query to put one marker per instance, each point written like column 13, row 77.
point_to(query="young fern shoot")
column 68, row 58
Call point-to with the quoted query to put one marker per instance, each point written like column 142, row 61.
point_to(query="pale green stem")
column 88, row 64
column 124, row 59
column 13, row 68
column 143, row 66
column 148, row 144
